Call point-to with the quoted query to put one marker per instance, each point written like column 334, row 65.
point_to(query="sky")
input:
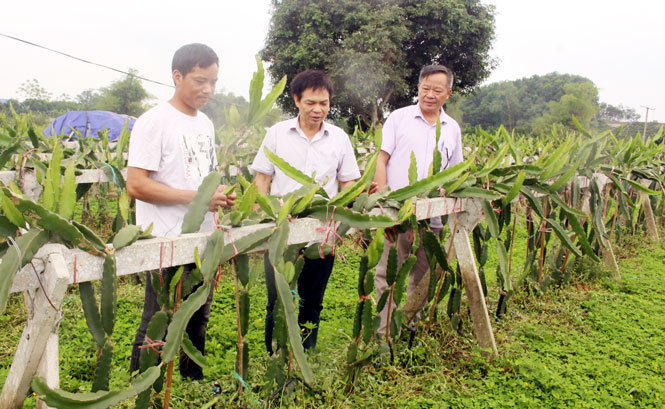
column 618, row 45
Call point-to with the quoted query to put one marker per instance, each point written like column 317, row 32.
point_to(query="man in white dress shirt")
column 407, row 130
column 312, row 146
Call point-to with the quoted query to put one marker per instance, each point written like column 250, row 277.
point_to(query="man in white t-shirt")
column 312, row 146
column 171, row 151
column 408, row 130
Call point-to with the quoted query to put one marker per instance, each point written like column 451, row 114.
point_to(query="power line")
column 86, row 61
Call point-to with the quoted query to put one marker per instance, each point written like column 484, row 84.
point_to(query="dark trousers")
column 196, row 329
column 312, row 284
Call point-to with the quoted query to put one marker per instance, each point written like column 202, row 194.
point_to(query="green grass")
column 598, row 344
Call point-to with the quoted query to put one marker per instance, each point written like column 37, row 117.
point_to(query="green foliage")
column 531, row 104
column 124, row 96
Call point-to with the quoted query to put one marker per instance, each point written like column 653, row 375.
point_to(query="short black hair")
column 191, row 55
column 314, row 79
column 428, row 70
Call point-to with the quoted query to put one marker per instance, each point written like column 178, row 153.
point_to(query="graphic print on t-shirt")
column 197, row 154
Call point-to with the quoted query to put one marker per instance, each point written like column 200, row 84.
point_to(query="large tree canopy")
column 531, row 104
column 374, row 49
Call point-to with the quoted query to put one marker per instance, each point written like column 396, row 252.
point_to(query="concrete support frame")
column 461, row 224
column 652, row 229
column 39, row 335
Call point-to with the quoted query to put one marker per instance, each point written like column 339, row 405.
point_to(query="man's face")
column 313, row 106
column 433, row 92
column 195, row 88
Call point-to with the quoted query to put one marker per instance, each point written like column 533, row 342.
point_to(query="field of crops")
column 554, row 209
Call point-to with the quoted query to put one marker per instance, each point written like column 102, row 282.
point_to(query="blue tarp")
column 89, row 123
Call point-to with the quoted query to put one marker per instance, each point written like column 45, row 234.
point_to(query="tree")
column 580, row 101
column 619, row 113
column 31, row 89
column 373, row 50
column 518, row 104
column 125, row 96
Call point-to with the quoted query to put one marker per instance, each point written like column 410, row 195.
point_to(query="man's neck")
column 431, row 117
column 309, row 131
column 182, row 107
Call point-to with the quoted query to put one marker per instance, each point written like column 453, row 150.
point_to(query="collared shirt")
column 329, row 155
column 406, row 130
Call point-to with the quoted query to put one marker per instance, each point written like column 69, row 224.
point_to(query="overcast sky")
column 618, row 45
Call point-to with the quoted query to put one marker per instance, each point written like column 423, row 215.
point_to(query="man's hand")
column 373, row 188
column 219, row 199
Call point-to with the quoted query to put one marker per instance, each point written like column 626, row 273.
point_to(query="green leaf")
column 413, row 170
column 212, row 255
column 266, row 105
column 193, row 353
column 434, row 247
column 347, row 195
column 174, row 333
column 255, row 90
column 490, row 219
column 53, row 223
column 68, row 195
column 291, row 172
column 109, row 294
column 432, row 182
column 286, row 299
column 11, row 212
column 581, row 236
column 91, row 236
column 514, row 190
column 53, row 179
column 642, row 188
column 503, row 265
column 248, row 199
column 285, row 209
column 126, row 236
column 265, row 204
column 13, row 260
column 351, row 218
column 563, row 237
column 103, row 370
column 197, row 210
column 94, row 400
column 476, row 192
column 401, row 277
column 246, row 243
column 563, row 179
column 305, row 200
column 278, row 244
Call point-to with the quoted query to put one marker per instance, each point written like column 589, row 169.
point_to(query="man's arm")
column 380, row 173
column 344, row 185
column 141, row 187
column 263, row 182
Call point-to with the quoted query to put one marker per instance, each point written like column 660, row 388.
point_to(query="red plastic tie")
column 152, row 344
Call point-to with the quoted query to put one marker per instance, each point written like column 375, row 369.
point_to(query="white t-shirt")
column 179, row 151
column 329, row 154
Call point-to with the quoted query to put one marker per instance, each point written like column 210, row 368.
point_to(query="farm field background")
column 593, row 342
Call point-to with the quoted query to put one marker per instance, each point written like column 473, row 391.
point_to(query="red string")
column 161, row 257
column 152, row 344
column 74, row 268
column 363, row 298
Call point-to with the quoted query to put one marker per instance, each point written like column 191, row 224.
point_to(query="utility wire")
column 86, row 61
